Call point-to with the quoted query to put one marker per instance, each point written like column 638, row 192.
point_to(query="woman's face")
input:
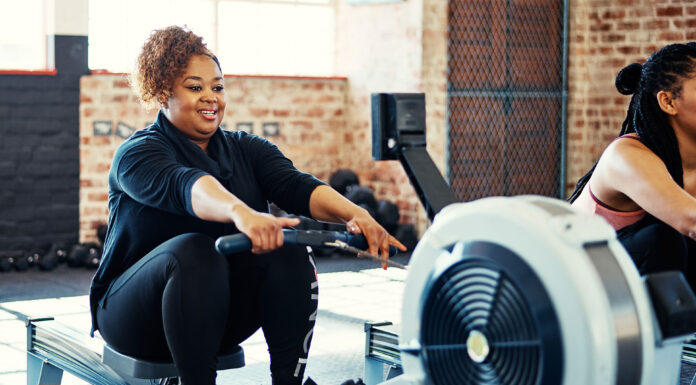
column 686, row 105
column 197, row 103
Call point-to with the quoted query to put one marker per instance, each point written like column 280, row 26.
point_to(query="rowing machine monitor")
column 398, row 133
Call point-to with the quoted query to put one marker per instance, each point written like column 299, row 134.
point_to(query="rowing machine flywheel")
column 529, row 291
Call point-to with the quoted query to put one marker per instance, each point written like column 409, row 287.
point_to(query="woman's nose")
column 209, row 96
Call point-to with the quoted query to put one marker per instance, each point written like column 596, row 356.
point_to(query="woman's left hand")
column 378, row 239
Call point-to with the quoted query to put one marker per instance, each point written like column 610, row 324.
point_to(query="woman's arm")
column 327, row 204
column 629, row 176
column 212, row 202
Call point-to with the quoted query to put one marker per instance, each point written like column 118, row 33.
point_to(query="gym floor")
column 351, row 292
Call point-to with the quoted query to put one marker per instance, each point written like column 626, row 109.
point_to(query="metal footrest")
column 139, row 368
column 53, row 347
column 381, row 348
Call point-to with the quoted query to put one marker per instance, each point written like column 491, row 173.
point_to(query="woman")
column 162, row 292
column 645, row 181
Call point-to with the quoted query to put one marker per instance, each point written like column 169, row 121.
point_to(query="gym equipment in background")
column 84, row 254
column 343, row 178
column 56, row 253
column 523, row 290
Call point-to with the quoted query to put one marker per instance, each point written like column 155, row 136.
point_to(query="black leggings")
column 655, row 246
column 184, row 301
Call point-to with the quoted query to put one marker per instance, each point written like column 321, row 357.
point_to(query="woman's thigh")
column 131, row 315
column 655, row 247
column 276, row 291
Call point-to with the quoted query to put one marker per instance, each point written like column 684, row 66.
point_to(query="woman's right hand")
column 264, row 230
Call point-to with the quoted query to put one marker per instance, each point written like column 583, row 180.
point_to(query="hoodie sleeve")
column 146, row 169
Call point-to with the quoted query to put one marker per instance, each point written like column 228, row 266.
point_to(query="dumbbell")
column 387, row 214
column 94, row 254
column 362, row 196
column 341, row 179
column 13, row 259
column 407, row 234
column 56, row 254
column 5, row 262
column 84, row 254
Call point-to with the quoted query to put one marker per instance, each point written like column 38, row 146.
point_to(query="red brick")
column 614, row 14
column 639, row 11
column 656, row 24
column 628, row 50
column 121, row 83
column 613, row 38
column 628, row 26
column 316, row 112
column 94, row 211
column 672, row 10
column 281, row 113
column 100, row 140
column 671, row 36
column 300, row 125
column 326, row 99
column 259, row 112
column 97, row 197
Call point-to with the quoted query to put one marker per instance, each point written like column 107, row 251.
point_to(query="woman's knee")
column 196, row 252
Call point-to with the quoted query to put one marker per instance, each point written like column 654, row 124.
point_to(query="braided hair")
column 665, row 70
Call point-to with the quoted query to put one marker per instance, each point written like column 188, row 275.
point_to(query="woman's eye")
column 218, row 88
column 194, row 88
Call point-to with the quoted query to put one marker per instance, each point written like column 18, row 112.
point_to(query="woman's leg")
column 277, row 291
column 654, row 246
column 172, row 304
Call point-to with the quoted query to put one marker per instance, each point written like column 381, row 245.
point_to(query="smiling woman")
column 197, row 103
column 162, row 291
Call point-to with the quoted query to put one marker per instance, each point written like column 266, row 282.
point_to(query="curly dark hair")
column 163, row 58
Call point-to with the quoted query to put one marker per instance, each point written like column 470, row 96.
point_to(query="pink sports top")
column 588, row 202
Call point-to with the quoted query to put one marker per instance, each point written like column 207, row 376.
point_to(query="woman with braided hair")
column 644, row 184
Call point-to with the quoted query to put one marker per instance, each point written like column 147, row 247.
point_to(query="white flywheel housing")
column 527, row 291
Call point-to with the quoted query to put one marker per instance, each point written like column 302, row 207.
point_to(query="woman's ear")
column 666, row 101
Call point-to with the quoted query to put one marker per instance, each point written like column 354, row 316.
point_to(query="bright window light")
column 118, row 29
column 23, row 35
column 266, row 37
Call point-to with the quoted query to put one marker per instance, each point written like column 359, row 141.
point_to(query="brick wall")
column 38, row 156
column 310, row 114
column 380, row 49
column 604, row 36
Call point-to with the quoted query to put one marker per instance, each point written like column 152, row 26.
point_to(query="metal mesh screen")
column 505, row 97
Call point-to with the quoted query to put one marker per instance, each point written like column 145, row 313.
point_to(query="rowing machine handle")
column 236, row 243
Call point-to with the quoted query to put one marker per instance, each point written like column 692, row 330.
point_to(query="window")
column 267, row 37
column 23, row 35
column 118, row 29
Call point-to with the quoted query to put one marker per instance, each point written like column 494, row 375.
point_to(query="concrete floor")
column 352, row 291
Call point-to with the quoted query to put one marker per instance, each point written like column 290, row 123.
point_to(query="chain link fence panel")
column 506, row 96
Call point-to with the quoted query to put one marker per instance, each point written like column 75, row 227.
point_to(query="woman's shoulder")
column 627, row 145
column 149, row 138
column 244, row 138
